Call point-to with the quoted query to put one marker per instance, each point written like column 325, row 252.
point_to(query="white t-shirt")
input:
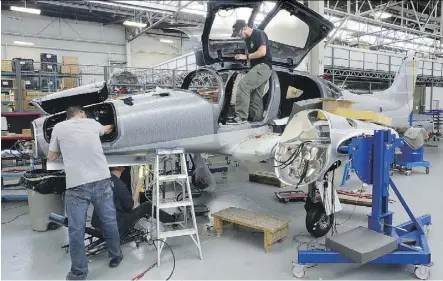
column 78, row 140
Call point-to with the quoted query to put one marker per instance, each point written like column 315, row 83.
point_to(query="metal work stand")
column 411, row 236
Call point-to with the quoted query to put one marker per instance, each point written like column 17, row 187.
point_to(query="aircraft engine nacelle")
column 309, row 146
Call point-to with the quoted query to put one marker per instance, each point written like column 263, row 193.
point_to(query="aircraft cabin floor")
column 27, row 254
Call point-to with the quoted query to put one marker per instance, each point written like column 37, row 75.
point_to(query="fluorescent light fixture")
column 135, row 24
column 383, row 15
column 23, row 43
column 133, row 7
column 166, row 41
column 26, row 10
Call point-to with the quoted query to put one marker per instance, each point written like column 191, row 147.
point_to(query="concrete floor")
column 237, row 254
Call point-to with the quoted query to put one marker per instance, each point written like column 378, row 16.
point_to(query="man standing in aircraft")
column 249, row 97
column 77, row 140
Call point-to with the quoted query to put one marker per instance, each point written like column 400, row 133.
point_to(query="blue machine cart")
column 410, row 158
column 410, row 236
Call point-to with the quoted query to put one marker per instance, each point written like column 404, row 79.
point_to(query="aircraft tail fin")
column 402, row 89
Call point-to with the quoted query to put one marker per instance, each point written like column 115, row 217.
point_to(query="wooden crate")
column 268, row 178
column 275, row 230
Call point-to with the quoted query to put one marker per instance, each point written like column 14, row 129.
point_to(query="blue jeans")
column 100, row 194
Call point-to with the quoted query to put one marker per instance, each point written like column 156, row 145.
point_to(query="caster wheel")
column 67, row 250
column 286, row 200
column 408, row 173
column 298, row 270
column 391, row 173
column 237, row 164
column 224, row 175
column 422, row 272
column 52, row 226
column 427, row 229
column 427, row 170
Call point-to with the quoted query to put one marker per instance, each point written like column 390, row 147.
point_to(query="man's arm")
column 54, row 146
column 108, row 129
column 136, row 195
column 261, row 52
column 52, row 156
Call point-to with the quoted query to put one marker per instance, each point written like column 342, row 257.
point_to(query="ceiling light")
column 166, row 41
column 139, row 8
column 135, row 24
column 23, row 43
column 26, row 10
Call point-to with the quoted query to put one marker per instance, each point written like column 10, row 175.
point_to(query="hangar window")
column 224, row 19
column 287, row 29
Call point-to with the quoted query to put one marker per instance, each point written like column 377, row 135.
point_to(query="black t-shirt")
column 257, row 39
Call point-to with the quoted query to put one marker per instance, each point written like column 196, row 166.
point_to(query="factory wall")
column 93, row 43
column 148, row 50
column 437, row 98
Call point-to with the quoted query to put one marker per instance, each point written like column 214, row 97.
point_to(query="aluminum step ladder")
column 183, row 180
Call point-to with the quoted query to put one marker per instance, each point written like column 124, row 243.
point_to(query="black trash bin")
column 45, row 196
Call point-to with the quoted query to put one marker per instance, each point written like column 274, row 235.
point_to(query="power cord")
column 6, row 222
column 172, row 252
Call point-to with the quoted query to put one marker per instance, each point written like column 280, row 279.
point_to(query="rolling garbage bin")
column 45, row 196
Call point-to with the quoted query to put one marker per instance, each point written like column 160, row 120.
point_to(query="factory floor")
column 237, row 254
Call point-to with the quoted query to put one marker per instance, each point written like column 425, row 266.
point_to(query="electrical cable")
column 15, row 207
column 6, row 222
column 172, row 252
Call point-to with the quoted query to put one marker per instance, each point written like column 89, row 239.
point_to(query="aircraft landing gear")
column 317, row 222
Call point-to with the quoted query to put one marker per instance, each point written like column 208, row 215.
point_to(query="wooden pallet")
column 268, row 178
column 275, row 229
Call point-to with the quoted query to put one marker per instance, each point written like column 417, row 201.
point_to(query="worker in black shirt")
column 127, row 214
column 249, row 98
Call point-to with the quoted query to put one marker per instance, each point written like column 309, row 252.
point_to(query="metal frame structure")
column 380, row 148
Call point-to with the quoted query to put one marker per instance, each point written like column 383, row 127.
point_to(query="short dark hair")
column 73, row 110
column 238, row 25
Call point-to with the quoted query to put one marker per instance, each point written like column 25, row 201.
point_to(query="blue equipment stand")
column 410, row 158
column 411, row 236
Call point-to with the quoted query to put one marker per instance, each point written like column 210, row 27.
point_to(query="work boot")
column 115, row 261
column 236, row 121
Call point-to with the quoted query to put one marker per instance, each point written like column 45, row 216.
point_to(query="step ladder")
column 183, row 180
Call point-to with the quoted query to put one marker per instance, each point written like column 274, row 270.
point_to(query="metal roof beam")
column 72, row 4
column 380, row 23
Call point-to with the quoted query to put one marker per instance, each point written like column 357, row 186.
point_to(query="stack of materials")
column 48, row 62
column 70, row 65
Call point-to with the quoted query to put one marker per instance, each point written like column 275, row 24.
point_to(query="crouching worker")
column 127, row 214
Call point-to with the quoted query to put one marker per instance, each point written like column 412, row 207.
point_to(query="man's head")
column 241, row 29
column 117, row 171
column 75, row 112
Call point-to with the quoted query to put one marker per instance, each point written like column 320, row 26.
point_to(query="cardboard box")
column 66, row 69
column 6, row 66
column 67, row 60
column 74, row 69
column 26, row 132
column 33, row 95
column 69, row 83
column 331, row 104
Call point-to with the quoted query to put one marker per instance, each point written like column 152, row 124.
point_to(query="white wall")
column 147, row 50
column 437, row 95
column 93, row 43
